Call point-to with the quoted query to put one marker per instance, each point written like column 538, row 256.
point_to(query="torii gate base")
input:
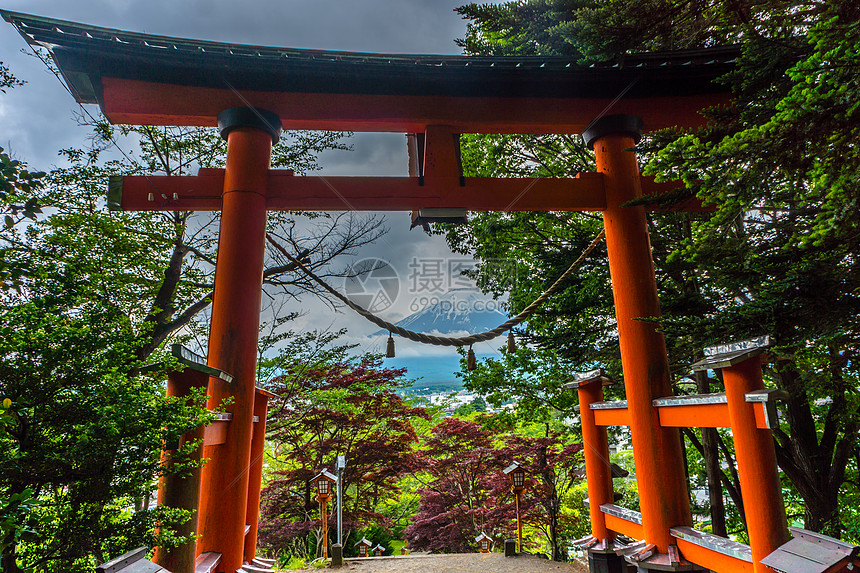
column 183, row 491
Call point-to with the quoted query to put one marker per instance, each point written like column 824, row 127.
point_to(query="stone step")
column 248, row 568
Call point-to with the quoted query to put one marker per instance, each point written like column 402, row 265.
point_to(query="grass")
column 396, row 545
column 296, row 563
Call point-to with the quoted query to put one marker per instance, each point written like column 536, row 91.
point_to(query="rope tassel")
column 471, row 363
column 512, row 343
column 389, row 351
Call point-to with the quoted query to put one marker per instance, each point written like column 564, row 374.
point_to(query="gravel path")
column 460, row 563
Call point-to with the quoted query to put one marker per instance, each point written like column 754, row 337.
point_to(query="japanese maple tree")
column 465, row 491
column 348, row 408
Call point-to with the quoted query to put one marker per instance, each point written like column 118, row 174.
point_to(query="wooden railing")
column 750, row 412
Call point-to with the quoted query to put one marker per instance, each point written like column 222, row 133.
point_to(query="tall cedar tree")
column 779, row 256
column 321, row 412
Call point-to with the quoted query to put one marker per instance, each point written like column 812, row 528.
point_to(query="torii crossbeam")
column 253, row 92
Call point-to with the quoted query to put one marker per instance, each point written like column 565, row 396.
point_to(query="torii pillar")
column 233, row 334
column 657, row 450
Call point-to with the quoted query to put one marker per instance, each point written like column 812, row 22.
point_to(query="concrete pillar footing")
column 337, row 555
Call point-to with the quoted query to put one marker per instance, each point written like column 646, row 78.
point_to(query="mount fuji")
column 457, row 311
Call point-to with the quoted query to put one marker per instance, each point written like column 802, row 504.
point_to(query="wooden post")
column 324, row 516
column 234, row 329
column 519, row 524
column 595, row 447
column 255, row 472
column 598, row 472
column 657, row 451
column 182, row 491
column 756, row 458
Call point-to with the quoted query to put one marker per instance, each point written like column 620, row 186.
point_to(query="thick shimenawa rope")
column 444, row 340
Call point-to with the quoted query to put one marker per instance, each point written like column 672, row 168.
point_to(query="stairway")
column 258, row 565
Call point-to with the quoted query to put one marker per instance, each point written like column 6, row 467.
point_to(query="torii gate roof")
column 157, row 80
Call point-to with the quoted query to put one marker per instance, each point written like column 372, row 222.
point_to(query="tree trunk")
column 553, row 524
column 552, row 504
column 823, row 515
column 731, row 484
column 8, row 560
column 712, row 466
column 816, row 468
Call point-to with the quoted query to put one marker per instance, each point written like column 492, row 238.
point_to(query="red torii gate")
column 253, row 92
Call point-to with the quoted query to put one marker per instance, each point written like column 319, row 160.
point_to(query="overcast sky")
column 37, row 120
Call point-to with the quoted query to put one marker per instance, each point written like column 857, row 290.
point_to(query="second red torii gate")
column 253, row 92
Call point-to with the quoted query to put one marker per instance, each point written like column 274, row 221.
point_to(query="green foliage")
column 781, row 250
column 294, row 563
column 576, row 512
column 330, row 404
column 780, row 253
column 7, row 79
column 518, row 28
column 529, row 379
column 465, row 411
column 86, row 436
column 297, row 353
column 377, row 536
column 17, row 204
column 16, row 183
column 479, row 404
column 17, row 520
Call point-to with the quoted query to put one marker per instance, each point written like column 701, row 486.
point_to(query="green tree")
column 86, row 436
column 780, row 253
column 7, row 79
column 784, row 241
column 93, row 297
column 17, row 187
column 530, row 380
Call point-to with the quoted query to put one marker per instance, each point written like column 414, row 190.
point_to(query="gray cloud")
column 37, row 120
column 371, row 154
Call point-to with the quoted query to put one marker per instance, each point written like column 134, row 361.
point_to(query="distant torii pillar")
column 233, row 334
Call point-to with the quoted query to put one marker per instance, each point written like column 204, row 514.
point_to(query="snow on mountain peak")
column 458, row 310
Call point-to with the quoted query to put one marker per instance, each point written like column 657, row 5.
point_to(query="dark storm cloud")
column 369, row 25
